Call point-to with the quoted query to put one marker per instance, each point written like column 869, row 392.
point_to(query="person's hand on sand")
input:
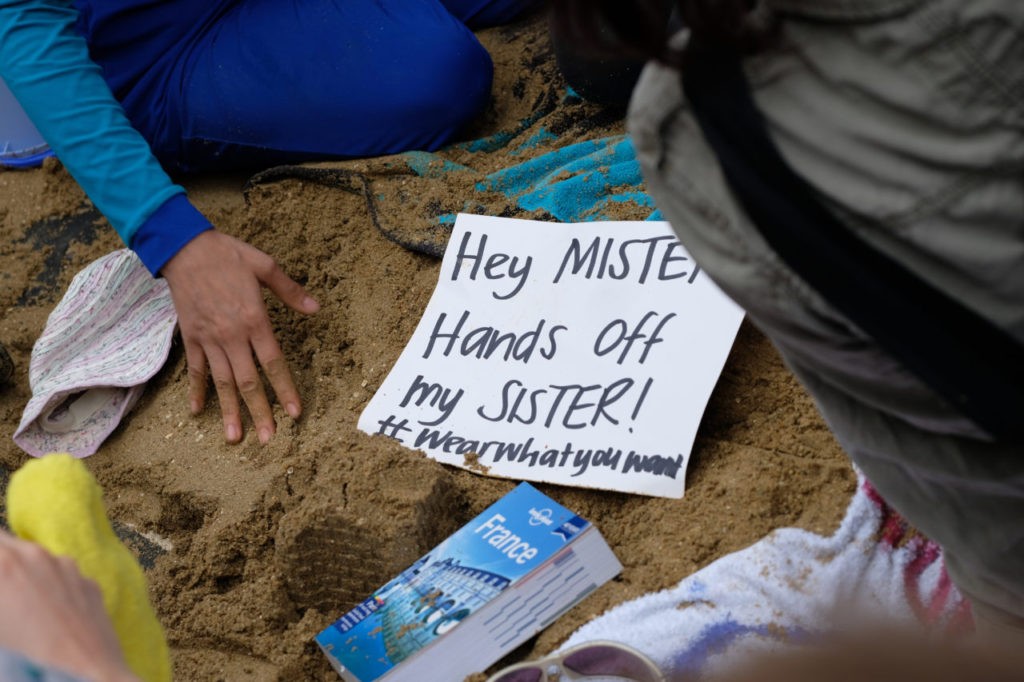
column 215, row 283
column 54, row 616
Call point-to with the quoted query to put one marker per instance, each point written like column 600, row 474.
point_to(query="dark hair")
column 641, row 28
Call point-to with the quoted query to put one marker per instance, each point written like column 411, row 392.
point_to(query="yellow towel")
column 55, row 502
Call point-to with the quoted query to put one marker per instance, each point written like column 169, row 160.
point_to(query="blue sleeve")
column 46, row 64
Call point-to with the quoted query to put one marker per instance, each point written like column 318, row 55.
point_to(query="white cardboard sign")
column 580, row 354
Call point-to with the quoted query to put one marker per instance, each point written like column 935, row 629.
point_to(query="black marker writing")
column 653, row 464
column 634, row 257
column 618, row 333
column 524, row 453
column 487, row 342
column 434, row 395
column 390, row 427
column 640, row 400
column 496, row 266
column 573, row 406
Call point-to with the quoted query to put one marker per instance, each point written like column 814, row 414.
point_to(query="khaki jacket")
column 907, row 116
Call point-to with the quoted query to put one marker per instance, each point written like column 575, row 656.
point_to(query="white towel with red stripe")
column 791, row 587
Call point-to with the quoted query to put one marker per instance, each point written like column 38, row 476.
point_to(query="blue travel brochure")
column 524, row 538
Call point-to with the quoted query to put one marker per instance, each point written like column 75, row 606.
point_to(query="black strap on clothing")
column 974, row 365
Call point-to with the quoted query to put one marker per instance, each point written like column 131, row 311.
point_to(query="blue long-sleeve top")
column 46, row 64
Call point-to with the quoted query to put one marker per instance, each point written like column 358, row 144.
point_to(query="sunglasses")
column 593, row 661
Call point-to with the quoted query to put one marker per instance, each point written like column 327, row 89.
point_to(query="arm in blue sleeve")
column 46, row 64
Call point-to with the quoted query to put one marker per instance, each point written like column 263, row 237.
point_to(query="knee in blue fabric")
column 412, row 82
column 448, row 87
column 339, row 80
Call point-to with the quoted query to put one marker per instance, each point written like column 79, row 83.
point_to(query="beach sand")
column 254, row 548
